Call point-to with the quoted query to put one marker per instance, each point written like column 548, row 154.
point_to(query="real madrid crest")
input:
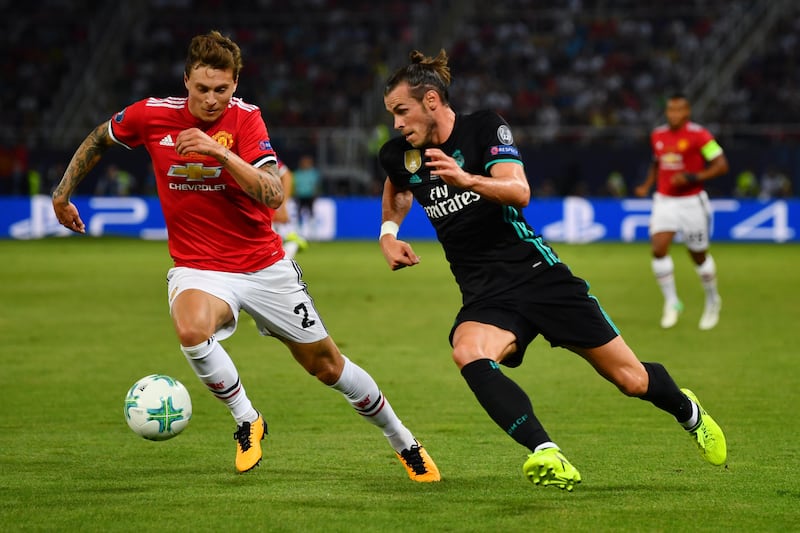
column 412, row 160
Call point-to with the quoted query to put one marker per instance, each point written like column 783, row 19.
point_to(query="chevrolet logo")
column 194, row 171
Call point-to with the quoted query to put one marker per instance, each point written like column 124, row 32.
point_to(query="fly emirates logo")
column 195, row 176
column 443, row 205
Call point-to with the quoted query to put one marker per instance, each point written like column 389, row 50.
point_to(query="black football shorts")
column 555, row 304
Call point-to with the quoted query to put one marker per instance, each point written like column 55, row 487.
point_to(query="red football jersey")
column 212, row 224
column 684, row 150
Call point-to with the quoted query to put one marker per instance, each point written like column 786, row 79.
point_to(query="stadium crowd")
column 311, row 61
column 563, row 72
column 579, row 64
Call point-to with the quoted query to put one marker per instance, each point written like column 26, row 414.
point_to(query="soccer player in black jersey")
column 467, row 174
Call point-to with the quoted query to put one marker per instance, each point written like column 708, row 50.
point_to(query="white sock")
column 366, row 398
column 694, row 419
column 545, row 445
column 216, row 370
column 707, row 272
column 290, row 249
column 664, row 270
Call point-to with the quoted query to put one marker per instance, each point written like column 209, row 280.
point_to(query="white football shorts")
column 689, row 216
column 276, row 298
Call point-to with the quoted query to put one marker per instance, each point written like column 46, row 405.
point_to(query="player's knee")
column 190, row 334
column 322, row 360
column 463, row 355
column 326, row 372
column 632, row 382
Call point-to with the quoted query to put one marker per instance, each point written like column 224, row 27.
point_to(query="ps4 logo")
column 103, row 212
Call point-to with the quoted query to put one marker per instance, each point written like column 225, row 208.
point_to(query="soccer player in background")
column 283, row 221
column 468, row 176
column 307, row 183
column 218, row 185
column 685, row 155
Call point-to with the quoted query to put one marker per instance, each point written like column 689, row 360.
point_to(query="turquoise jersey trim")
column 608, row 318
column 513, row 216
column 490, row 163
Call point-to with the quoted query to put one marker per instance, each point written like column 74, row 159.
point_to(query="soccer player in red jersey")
column 685, row 155
column 218, row 184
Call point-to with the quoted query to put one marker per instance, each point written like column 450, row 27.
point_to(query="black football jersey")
column 490, row 247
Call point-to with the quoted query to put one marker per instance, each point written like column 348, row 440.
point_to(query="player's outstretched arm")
column 83, row 160
column 395, row 205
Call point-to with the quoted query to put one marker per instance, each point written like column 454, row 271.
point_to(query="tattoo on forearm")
column 268, row 190
column 85, row 158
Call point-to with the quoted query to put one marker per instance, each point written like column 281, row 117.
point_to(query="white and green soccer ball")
column 158, row 407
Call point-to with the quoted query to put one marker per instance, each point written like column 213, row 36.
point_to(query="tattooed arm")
column 263, row 183
column 85, row 158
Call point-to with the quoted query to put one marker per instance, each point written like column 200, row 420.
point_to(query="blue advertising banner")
column 570, row 219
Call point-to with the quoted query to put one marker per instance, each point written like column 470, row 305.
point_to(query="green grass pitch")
column 82, row 318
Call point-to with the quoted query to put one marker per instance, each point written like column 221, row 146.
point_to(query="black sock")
column 665, row 394
column 505, row 402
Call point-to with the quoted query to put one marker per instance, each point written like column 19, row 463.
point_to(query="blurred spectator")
column 775, row 184
column 746, row 184
column 615, row 185
column 307, row 182
column 35, row 185
column 115, row 182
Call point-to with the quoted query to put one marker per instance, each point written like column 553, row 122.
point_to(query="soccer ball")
column 158, row 407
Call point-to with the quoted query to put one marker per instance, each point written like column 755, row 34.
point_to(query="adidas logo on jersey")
column 167, row 141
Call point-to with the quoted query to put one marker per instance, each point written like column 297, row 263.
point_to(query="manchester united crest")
column 224, row 138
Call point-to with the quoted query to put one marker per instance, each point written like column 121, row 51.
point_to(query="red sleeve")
column 703, row 136
column 127, row 126
column 255, row 146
